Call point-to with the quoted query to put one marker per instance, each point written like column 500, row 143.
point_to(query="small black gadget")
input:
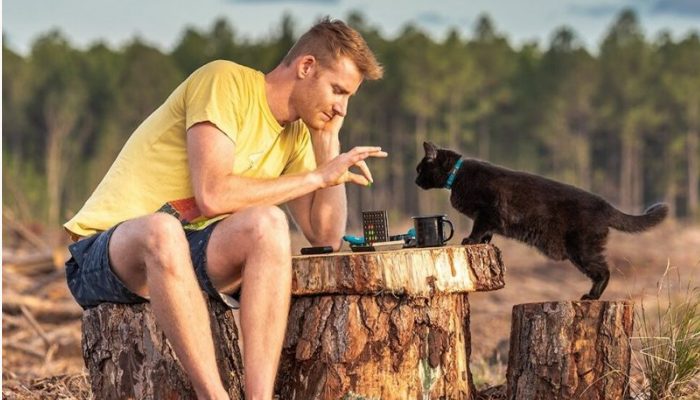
column 316, row 250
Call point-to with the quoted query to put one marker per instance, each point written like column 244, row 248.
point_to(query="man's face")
column 324, row 92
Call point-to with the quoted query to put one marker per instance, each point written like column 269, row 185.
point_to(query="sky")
column 162, row 22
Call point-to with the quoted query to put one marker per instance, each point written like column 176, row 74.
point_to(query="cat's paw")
column 467, row 241
column 588, row 297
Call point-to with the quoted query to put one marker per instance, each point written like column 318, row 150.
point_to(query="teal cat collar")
column 453, row 173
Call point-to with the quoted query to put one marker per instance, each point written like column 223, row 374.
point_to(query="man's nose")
column 340, row 108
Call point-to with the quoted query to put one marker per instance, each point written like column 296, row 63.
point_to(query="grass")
column 668, row 353
column 488, row 373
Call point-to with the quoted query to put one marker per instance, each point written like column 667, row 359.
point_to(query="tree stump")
column 570, row 350
column 128, row 356
column 384, row 325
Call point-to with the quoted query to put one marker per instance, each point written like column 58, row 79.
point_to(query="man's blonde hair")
column 329, row 40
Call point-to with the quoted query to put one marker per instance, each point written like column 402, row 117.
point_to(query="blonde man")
column 191, row 202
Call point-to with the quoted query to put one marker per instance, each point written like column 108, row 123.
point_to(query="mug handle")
column 452, row 230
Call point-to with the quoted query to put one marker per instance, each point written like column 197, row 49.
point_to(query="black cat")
column 562, row 221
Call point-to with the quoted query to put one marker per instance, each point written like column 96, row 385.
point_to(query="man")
column 226, row 147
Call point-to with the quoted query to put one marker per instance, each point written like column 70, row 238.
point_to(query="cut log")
column 128, row 356
column 410, row 272
column 570, row 350
column 43, row 309
column 384, row 325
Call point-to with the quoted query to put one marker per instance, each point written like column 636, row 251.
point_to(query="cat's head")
column 435, row 167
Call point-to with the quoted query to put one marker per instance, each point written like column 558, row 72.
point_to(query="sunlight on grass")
column 668, row 342
column 488, row 372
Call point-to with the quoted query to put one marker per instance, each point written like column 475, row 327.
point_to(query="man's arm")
column 322, row 214
column 218, row 191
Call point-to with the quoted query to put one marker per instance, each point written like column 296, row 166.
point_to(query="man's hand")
column 333, row 126
column 326, row 143
column 336, row 171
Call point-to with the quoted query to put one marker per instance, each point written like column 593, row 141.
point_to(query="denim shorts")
column 92, row 281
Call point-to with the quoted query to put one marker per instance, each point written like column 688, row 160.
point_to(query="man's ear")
column 305, row 66
column 430, row 150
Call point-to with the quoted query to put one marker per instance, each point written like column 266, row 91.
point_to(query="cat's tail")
column 637, row 223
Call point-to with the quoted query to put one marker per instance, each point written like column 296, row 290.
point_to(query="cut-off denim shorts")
column 92, row 281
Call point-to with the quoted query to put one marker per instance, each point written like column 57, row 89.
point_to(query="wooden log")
column 410, row 272
column 570, row 350
column 128, row 356
column 384, row 325
column 43, row 309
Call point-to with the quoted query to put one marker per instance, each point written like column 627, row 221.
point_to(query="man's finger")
column 365, row 170
column 366, row 149
column 345, row 177
column 357, row 179
column 379, row 154
column 357, row 156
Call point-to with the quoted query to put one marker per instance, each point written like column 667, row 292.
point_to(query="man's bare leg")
column 151, row 256
column 253, row 247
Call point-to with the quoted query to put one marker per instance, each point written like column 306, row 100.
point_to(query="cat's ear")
column 430, row 150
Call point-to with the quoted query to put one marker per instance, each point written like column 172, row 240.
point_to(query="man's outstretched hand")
column 337, row 170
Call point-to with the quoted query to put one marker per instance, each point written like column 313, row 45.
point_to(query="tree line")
column 623, row 122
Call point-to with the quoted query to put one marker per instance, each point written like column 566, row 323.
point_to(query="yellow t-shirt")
column 151, row 172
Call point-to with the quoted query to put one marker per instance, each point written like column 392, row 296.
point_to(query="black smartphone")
column 316, row 250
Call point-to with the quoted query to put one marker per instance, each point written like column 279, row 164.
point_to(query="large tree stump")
column 385, row 325
column 570, row 350
column 128, row 356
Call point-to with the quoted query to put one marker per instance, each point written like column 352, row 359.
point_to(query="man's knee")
column 160, row 231
column 139, row 246
column 269, row 222
column 163, row 239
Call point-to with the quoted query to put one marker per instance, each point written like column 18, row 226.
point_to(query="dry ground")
column 43, row 360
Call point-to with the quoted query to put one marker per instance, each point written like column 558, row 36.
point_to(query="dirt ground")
column 43, row 359
column 638, row 266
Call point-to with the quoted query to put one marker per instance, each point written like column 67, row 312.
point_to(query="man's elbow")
column 207, row 209
column 209, row 206
column 332, row 239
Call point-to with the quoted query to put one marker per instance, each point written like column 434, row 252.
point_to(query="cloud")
column 595, row 10
column 688, row 8
column 432, row 18
column 681, row 8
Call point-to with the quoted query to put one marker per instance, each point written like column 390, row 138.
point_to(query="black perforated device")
column 375, row 225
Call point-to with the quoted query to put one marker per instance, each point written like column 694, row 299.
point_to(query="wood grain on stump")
column 384, row 325
column 128, row 356
column 570, row 350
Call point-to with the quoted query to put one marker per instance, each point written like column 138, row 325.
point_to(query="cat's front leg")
column 481, row 231
column 486, row 239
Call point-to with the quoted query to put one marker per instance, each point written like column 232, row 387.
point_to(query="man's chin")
column 315, row 125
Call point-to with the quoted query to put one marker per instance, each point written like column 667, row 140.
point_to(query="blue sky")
column 161, row 22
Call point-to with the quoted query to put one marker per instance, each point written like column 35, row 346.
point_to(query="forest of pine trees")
column 622, row 120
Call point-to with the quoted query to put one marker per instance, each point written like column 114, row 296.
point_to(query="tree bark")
column 693, row 172
column 671, row 189
column 383, row 347
column 421, row 135
column 626, row 168
column 484, row 140
column 128, row 356
column 398, row 166
column 570, row 350
column 384, row 325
